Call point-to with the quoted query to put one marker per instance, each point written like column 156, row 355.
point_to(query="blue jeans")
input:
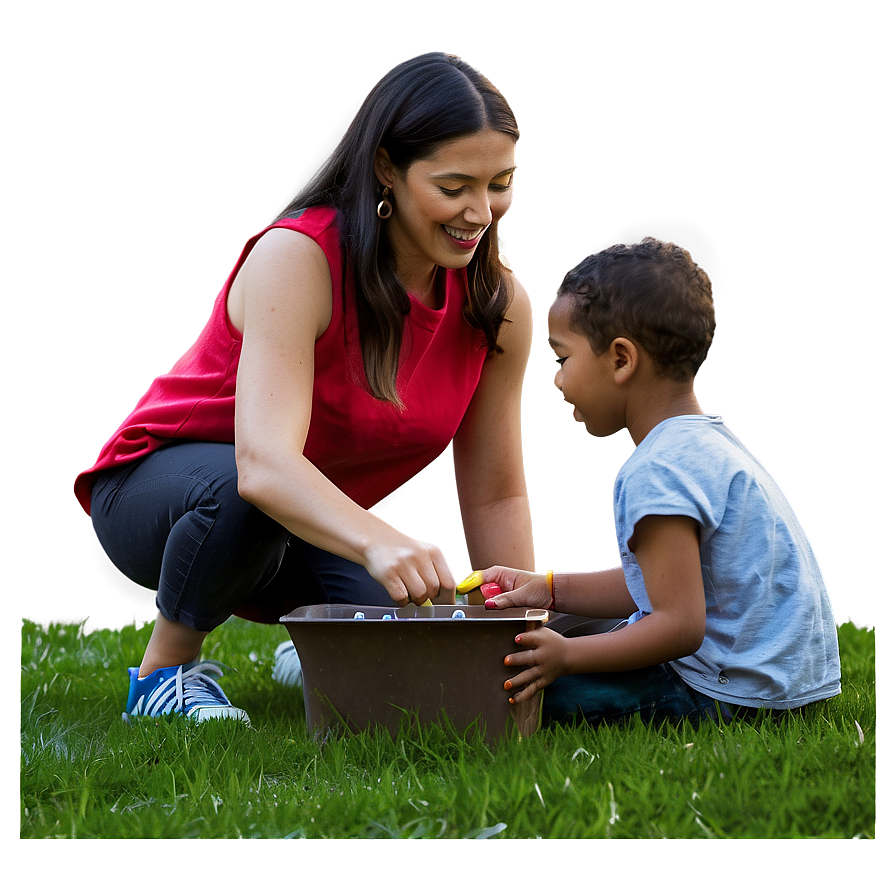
column 174, row 522
column 654, row 693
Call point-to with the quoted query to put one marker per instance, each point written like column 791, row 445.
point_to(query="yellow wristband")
column 550, row 578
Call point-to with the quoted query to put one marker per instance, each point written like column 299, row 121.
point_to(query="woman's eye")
column 494, row 188
column 560, row 361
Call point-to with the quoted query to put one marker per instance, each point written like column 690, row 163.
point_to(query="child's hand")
column 545, row 660
column 519, row 587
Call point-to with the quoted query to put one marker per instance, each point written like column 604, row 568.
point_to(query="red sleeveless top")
column 366, row 447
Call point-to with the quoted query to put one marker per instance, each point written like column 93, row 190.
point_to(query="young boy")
column 725, row 602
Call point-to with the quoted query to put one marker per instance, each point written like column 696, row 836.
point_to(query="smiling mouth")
column 465, row 236
column 575, row 411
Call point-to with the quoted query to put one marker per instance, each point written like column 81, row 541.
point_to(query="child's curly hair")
column 652, row 293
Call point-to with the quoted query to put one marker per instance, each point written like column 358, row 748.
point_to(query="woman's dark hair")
column 651, row 292
column 415, row 108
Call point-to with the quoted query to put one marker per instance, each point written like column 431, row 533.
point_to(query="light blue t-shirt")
column 770, row 637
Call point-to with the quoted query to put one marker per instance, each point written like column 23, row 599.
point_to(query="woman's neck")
column 424, row 287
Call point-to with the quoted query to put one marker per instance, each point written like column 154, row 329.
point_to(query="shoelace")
column 194, row 687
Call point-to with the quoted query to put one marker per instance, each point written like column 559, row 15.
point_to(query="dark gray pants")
column 174, row 522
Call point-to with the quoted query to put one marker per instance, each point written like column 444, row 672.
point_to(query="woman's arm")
column 488, row 454
column 282, row 302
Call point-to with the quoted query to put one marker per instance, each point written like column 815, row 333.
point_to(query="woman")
column 366, row 329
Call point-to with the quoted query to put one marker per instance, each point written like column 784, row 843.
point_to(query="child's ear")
column 624, row 353
column 382, row 167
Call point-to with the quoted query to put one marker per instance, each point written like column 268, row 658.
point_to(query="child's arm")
column 603, row 594
column 668, row 552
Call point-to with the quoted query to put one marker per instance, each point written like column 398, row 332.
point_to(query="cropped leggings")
column 175, row 522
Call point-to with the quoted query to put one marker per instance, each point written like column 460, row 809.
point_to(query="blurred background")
column 146, row 144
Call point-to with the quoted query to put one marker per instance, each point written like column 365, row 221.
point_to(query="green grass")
column 86, row 774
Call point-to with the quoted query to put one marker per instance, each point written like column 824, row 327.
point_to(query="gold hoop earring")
column 384, row 209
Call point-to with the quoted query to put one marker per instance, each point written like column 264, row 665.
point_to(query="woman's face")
column 444, row 203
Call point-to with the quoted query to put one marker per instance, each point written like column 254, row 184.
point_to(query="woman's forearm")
column 500, row 534
column 306, row 503
column 291, row 490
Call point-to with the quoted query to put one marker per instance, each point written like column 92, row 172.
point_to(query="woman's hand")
column 411, row 571
column 545, row 660
column 520, row 588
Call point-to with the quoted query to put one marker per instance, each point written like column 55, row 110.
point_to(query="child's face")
column 585, row 379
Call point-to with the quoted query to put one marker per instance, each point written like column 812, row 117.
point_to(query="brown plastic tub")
column 376, row 670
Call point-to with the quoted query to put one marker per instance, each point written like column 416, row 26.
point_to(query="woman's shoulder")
column 314, row 221
column 286, row 260
column 518, row 295
column 311, row 232
column 518, row 314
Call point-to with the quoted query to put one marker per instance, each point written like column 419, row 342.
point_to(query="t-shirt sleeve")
column 655, row 487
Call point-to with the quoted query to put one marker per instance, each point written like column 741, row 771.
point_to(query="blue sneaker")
column 189, row 690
